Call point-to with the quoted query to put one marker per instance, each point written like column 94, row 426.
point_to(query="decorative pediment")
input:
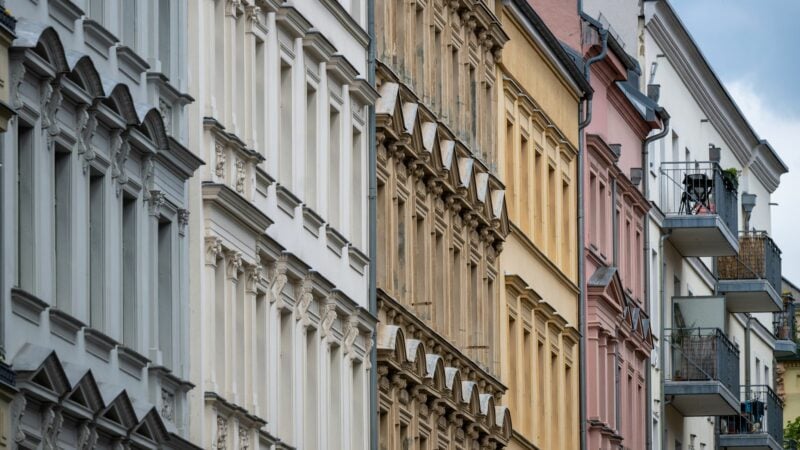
column 41, row 368
column 415, row 351
column 605, row 281
column 44, row 40
column 435, row 371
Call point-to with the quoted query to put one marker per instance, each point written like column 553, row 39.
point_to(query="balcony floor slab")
column 701, row 235
column 753, row 296
column 751, row 441
column 701, row 398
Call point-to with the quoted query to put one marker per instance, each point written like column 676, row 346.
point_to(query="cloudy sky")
column 752, row 45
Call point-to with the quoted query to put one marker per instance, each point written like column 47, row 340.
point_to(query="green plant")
column 792, row 430
column 730, row 178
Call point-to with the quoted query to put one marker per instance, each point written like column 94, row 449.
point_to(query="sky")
column 753, row 47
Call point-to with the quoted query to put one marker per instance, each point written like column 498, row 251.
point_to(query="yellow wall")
column 523, row 59
column 537, row 160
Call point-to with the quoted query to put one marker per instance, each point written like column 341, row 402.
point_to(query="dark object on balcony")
column 759, row 423
column 730, row 178
column 697, row 194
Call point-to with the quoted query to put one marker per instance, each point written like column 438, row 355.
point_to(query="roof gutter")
column 373, row 238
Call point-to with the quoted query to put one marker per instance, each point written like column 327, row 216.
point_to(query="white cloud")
column 782, row 131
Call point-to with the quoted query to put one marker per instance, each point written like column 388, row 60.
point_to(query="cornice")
column 237, row 206
column 708, row 91
column 350, row 24
column 538, row 254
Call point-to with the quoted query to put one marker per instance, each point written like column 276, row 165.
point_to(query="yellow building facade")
column 537, row 160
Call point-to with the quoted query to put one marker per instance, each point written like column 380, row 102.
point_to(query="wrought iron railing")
column 784, row 323
column 693, row 188
column 759, row 258
column 760, row 411
column 700, row 354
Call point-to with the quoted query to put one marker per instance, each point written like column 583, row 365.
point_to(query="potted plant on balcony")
column 730, row 179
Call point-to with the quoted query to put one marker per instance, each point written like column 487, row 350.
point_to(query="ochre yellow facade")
column 442, row 221
column 537, row 160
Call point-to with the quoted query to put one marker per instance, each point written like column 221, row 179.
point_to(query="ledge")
column 341, row 69
column 27, row 306
column 358, row 260
column 64, row 325
column 99, row 344
column 98, row 38
column 318, row 46
column 292, row 21
column 287, row 201
column 335, row 240
column 236, row 205
column 64, row 12
column 312, row 221
column 263, row 181
column 130, row 63
column 131, row 362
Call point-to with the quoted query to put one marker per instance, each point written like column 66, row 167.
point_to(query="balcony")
column 785, row 327
column 758, row 424
column 703, row 374
column 751, row 280
column 700, row 208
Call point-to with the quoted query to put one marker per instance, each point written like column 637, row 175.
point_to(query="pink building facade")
column 619, row 339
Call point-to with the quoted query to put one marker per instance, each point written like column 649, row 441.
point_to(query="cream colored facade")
column 537, row 157
column 280, row 333
column 441, row 225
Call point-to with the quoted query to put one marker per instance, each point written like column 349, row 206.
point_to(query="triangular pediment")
column 605, row 281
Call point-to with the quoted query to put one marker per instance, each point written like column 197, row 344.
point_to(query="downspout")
column 662, row 340
column 646, row 259
column 747, row 331
column 373, row 238
column 614, row 225
column 581, row 244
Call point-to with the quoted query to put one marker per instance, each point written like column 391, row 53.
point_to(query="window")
column 513, row 359
column 402, row 257
column 129, row 286
column 438, row 74
column 285, row 126
column 524, row 207
column 527, row 382
column 419, row 73
column 96, row 10
column 260, row 100
column 511, row 188
column 473, row 107
column 285, row 392
column 62, row 227
column 335, row 398
column 455, row 299
column 164, row 36
column 421, row 267
column 219, row 326
column 474, row 307
column 551, row 206
column 334, row 168
column 455, row 99
column 311, row 393
column 439, row 286
column 96, row 250
column 311, row 148
column 262, row 319
column 26, row 239
column 356, row 190
column 554, row 387
column 128, row 22
column 566, row 235
column 358, row 406
column 240, row 366
column 165, row 325
column 382, row 238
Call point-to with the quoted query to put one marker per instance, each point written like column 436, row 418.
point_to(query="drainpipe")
column 614, row 225
column 662, row 340
column 581, row 244
column 748, row 329
column 373, row 239
column 646, row 259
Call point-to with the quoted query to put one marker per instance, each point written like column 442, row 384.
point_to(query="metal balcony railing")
column 703, row 354
column 761, row 411
column 784, row 323
column 694, row 188
column 758, row 258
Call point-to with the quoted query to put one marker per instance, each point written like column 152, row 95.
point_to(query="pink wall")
column 561, row 16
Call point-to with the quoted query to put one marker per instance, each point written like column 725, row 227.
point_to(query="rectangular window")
column 568, row 407
column 566, row 222
column 473, row 107
column 527, row 382
column 474, row 307
column 455, row 299
column 524, row 207
column 96, row 10
column 240, row 366
column 437, row 69
column 311, row 392
column 285, row 126
column 287, row 374
column 419, row 74
column 357, row 191
column 601, row 206
column 511, row 188
column 260, row 100
column 96, row 250
column 219, row 326
column 420, row 268
column 383, row 246
column 62, row 227
column 165, row 325
column 551, row 206
column 455, row 98
column 26, row 239
column 541, row 361
column 334, row 167
column 358, row 406
column 538, row 213
column 439, row 284
column 311, row 148
column 402, row 257
column 262, row 349
column 554, row 387
column 164, row 37
column 128, row 23
column 514, row 358
column 335, row 398
column 129, row 286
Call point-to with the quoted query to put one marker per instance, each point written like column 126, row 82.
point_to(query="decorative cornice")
column 239, row 208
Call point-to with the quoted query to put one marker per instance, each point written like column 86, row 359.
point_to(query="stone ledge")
column 28, row 306
column 64, row 325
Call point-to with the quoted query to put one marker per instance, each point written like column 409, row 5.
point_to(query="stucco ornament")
column 17, row 411
column 240, row 176
column 328, row 317
column 350, row 334
column 148, row 176
column 234, row 265
column 17, row 76
column 183, row 221
column 87, row 437
column 306, row 297
column 279, row 280
column 155, row 202
column 213, row 249
column 120, row 149
column 52, row 420
column 219, row 168
column 168, row 405
column 222, row 434
column 244, row 439
column 87, row 124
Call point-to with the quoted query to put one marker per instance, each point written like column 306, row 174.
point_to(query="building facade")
column 280, row 333
column 95, row 196
column 537, row 158
column 619, row 335
column 441, row 225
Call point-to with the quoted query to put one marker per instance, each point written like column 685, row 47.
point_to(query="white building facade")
column 280, row 331
column 95, row 295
